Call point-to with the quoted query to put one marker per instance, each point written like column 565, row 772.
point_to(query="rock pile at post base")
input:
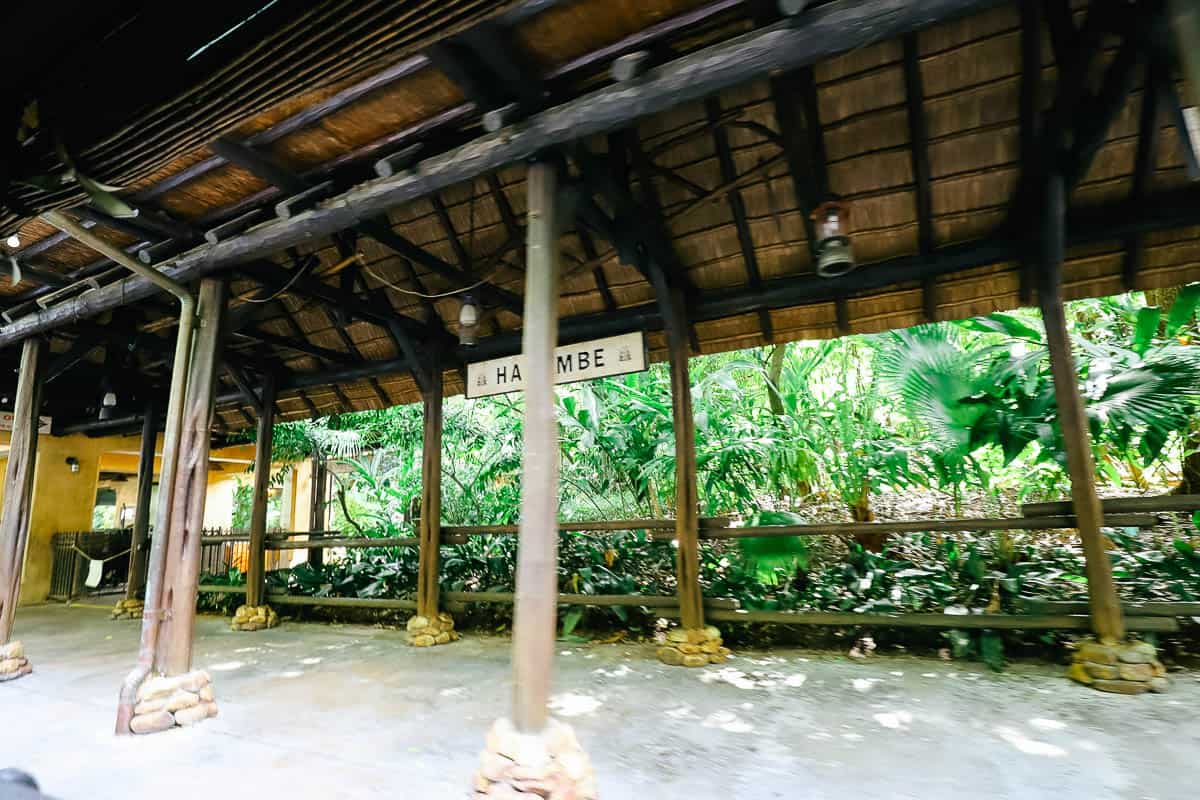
column 254, row 618
column 1124, row 668
column 693, row 647
column 180, row 700
column 128, row 609
column 426, row 632
column 13, row 663
column 550, row 765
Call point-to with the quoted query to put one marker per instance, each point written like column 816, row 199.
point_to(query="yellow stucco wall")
column 63, row 501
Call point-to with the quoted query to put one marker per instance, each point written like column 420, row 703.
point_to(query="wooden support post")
column 687, row 499
column 182, row 574
column 316, row 506
column 135, row 585
column 18, row 480
column 535, row 616
column 256, row 570
column 430, row 533
column 1102, row 593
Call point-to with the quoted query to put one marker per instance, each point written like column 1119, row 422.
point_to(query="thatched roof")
column 942, row 119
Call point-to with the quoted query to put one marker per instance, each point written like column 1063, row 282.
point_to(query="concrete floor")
column 316, row 711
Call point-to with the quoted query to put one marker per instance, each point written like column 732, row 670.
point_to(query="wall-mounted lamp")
column 73, row 464
column 108, row 404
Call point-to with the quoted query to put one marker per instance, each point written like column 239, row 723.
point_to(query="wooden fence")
column 1142, row 512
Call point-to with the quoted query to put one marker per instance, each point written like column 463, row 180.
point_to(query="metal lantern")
column 468, row 322
column 834, row 254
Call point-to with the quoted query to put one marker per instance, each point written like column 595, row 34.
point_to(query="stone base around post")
column 550, row 764
column 128, row 609
column 426, row 631
column 13, row 663
column 169, row 702
column 1122, row 668
column 693, row 647
column 254, row 618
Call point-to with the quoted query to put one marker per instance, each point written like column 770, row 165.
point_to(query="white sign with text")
column 599, row 358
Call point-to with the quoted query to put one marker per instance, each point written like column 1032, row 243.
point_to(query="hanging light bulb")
column 834, row 255
column 468, row 321
column 13, row 241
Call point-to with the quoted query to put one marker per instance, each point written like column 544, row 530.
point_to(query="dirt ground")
column 319, row 711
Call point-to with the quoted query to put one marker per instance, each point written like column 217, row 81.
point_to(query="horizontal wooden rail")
column 340, row 602
column 1066, row 622
column 1147, row 617
column 1164, row 502
column 649, row 601
column 217, row 588
column 598, row 525
column 1149, row 608
column 356, row 542
column 922, row 526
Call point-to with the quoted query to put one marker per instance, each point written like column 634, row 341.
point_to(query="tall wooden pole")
column 182, row 575
column 136, row 583
column 687, row 499
column 316, row 508
column 1107, row 622
column 535, row 618
column 430, row 533
column 256, row 570
column 18, row 480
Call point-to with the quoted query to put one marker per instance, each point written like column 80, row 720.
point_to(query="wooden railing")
column 1139, row 512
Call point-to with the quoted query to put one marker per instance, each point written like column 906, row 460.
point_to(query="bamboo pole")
column 256, row 569
column 182, row 574
column 1102, row 592
column 687, row 499
column 535, row 619
column 135, row 584
column 18, row 479
column 431, row 498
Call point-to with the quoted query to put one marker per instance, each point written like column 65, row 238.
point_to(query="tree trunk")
column 774, row 375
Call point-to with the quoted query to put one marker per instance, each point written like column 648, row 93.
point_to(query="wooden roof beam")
column 1144, row 165
column 712, row 108
column 819, row 33
column 301, row 346
column 918, row 136
column 589, row 252
column 269, row 169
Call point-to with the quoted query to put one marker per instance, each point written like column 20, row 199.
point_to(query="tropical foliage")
column 964, row 412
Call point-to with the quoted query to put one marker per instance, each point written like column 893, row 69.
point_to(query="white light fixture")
column 834, row 255
column 13, row 241
column 108, row 404
column 468, row 322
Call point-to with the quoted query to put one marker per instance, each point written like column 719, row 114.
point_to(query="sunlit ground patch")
column 571, row 704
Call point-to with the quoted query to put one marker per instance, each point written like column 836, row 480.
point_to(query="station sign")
column 6, row 422
column 599, row 358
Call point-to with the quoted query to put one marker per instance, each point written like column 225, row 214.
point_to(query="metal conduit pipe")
column 180, row 373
